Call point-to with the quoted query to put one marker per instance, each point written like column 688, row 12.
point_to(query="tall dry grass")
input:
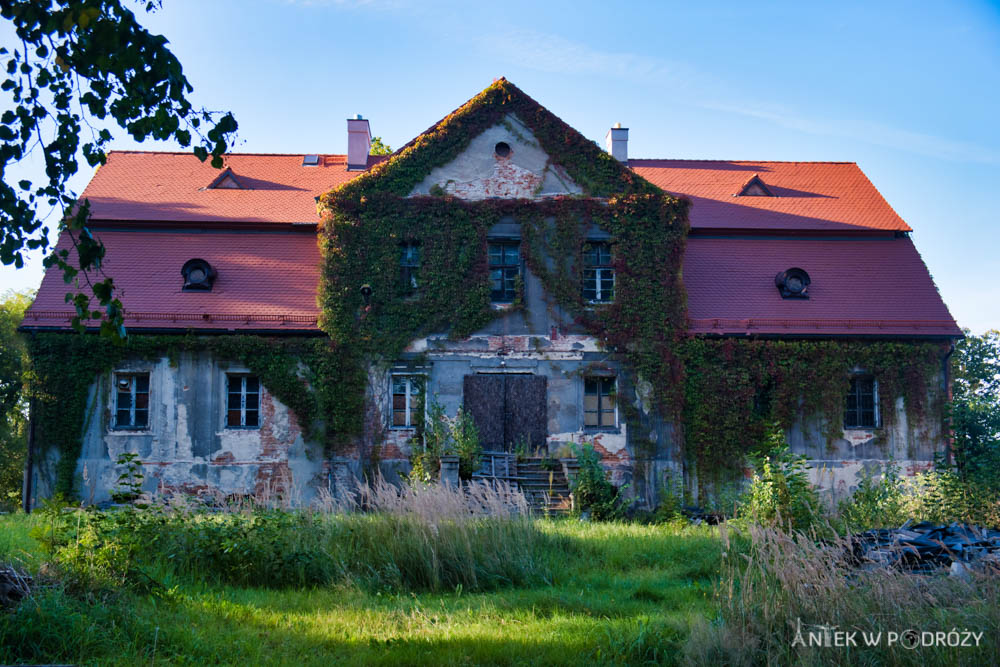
column 380, row 536
column 775, row 582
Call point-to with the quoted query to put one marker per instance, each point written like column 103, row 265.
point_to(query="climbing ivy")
column 735, row 388
column 301, row 372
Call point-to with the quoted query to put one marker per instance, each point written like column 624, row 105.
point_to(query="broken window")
column 599, row 402
column 505, row 268
column 406, row 401
column 409, row 266
column 242, row 401
column 861, row 404
column 598, row 274
column 131, row 400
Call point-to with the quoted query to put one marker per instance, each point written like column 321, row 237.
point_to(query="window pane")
column 511, row 256
column 253, row 384
column 141, row 401
column 142, row 383
column 234, row 402
column 253, row 401
column 399, row 417
column 590, row 402
column 496, row 277
column 495, row 254
column 141, row 418
column 590, row 419
column 867, row 418
column 399, row 385
column 123, row 418
column 233, row 418
column 251, row 418
column 124, row 401
column 607, row 404
column 414, row 386
column 399, row 402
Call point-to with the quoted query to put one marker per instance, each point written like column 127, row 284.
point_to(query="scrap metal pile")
column 928, row 547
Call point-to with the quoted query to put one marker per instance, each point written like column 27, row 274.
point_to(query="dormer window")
column 198, row 275
column 755, row 187
column 226, row 181
column 793, row 284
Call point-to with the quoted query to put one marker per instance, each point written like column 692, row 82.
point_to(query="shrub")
column 446, row 436
column 418, row 538
column 878, row 501
column 780, row 490
column 592, row 492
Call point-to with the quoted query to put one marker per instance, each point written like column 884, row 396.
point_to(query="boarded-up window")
column 599, row 401
column 508, row 409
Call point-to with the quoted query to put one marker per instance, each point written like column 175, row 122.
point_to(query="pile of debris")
column 928, row 547
column 14, row 586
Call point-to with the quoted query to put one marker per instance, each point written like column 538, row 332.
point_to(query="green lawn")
column 618, row 593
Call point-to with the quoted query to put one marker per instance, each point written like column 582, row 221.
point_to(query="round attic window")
column 502, row 149
column 793, row 284
column 198, row 275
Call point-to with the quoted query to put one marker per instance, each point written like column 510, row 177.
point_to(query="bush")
column 429, row 538
column 443, row 436
column 780, row 491
column 877, row 502
column 592, row 492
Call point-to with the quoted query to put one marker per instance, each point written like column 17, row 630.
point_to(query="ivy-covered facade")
column 504, row 264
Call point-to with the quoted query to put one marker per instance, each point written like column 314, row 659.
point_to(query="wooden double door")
column 509, row 409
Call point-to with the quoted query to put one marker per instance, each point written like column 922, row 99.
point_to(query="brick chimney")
column 359, row 143
column 616, row 141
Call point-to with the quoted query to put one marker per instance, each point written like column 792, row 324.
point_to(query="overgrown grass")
column 616, row 594
column 777, row 583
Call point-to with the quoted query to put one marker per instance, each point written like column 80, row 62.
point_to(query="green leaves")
column 127, row 76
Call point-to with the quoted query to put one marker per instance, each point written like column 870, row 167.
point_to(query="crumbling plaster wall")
column 187, row 446
column 480, row 173
column 837, row 467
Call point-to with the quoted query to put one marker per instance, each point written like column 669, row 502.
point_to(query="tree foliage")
column 13, row 406
column 975, row 407
column 379, row 148
column 76, row 69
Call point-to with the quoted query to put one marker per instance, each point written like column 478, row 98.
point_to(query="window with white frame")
column 599, row 402
column 861, row 403
column 406, row 401
column 598, row 273
column 242, row 401
column 132, row 400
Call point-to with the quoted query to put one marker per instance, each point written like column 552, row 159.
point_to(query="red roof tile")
column 859, row 286
column 266, row 280
column 174, row 187
column 824, row 196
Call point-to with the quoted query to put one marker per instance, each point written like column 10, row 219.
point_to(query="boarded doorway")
column 508, row 409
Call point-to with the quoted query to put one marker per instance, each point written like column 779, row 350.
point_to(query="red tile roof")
column 815, row 196
column 859, row 286
column 266, row 281
column 174, row 187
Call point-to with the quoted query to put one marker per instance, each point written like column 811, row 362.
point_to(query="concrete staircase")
column 544, row 485
column 542, row 480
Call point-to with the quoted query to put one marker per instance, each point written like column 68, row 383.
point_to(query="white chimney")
column 616, row 142
column 359, row 143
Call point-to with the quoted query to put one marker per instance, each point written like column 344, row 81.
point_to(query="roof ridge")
column 142, row 152
column 672, row 159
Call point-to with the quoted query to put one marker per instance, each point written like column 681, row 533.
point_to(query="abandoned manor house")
column 297, row 322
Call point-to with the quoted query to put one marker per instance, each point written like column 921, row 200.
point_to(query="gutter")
column 949, row 434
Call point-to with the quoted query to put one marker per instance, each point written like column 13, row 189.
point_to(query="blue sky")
column 910, row 91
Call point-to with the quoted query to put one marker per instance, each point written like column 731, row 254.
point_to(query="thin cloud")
column 558, row 55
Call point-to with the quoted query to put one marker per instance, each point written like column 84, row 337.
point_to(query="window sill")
column 602, row 429
column 402, row 428
column 124, row 430
column 241, row 428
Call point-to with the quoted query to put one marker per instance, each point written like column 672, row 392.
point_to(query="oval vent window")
column 198, row 275
column 502, row 149
column 793, row 284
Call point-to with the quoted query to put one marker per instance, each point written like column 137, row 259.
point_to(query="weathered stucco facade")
column 188, row 444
